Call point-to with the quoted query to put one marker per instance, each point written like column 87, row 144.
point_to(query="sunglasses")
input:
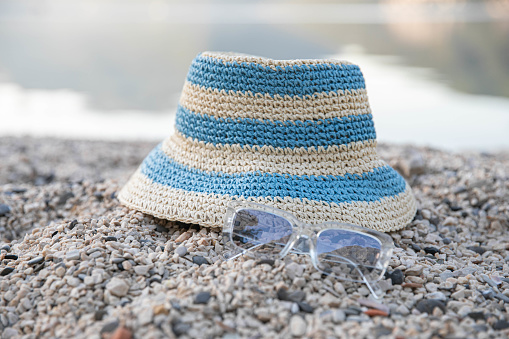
column 344, row 251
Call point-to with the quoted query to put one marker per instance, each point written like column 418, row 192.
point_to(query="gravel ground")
column 76, row 264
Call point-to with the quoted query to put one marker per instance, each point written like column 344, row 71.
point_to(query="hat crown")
column 246, row 100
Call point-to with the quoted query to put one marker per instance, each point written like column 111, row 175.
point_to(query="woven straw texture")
column 294, row 134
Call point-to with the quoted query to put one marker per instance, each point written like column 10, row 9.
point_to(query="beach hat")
column 297, row 135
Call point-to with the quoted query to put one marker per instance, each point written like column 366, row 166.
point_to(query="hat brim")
column 164, row 186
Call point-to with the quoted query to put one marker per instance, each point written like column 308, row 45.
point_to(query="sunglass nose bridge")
column 301, row 246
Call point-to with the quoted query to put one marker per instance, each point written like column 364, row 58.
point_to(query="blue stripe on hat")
column 296, row 80
column 322, row 132
column 371, row 186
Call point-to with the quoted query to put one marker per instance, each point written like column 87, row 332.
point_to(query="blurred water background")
column 437, row 72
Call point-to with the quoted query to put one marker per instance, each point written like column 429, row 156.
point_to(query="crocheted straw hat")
column 294, row 134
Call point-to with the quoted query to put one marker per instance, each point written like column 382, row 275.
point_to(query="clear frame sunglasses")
column 344, row 251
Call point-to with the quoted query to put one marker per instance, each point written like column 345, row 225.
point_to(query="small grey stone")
column 99, row 315
column 357, row 318
column 428, row 305
column 141, row 269
column 35, row 261
column 381, row 331
column 338, row 316
column 202, row 298
column 294, row 296
column 477, row 315
column 480, row 328
column 4, row 210
column 488, row 280
column 118, row 287
column 179, row 328
column 294, row 270
column 305, row 307
column 414, row 270
column 488, row 294
column 110, row 238
column 476, row 249
column 199, row 260
column 298, row 326
column 397, row 277
column 9, row 333
column 181, row 250
column 465, row 271
column 403, row 310
column 502, row 297
column 6, row 271
column 117, row 260
column 437, row 295
column 501, row 325
column 266, row 261
column 73, row 255
column 73, row 224
column 446, row 275
column 352, row 310
column 6, row 248
column 110, row 327
column 431, row 250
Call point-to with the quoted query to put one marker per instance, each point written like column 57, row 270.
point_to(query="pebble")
column 294, row 296
column 415, row 270
column 477, row 315
column 141, row 269
column 477, row 249
column 305, row 307
column 338, row 316
column 202, row 298
column 339, row 288
column 110, row 327
column 488, row 280
column 10, row 333
column 298, row 326
column 73, row 255
column 428, row 305
column 118, row 287
column 199, row 260
column 397, row 277
column 294, row 270
column 6, row 248
column 35, row 261
column 110, row 238
column 431, row 250
column 4, row 210
column 450, row 221
column 72, row 224
column 179, row 328
column 181, row 250
column 426, row 214
column 502, row 297
column 458, row 295
column 403, row 310
column 501, row 325
column 446, row 275
column 7, row 270
column 437, row 295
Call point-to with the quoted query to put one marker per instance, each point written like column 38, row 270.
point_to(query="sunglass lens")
column 263, row 233
column 349, row 254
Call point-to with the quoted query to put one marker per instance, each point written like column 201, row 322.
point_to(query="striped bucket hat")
column 293, row 134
